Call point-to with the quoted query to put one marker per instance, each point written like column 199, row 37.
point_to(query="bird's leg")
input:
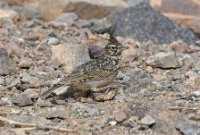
column 82, row 96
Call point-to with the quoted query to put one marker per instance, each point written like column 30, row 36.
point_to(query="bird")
column 94, row 74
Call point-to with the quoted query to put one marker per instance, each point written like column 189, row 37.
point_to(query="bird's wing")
column 98, row 73
column 80, row 76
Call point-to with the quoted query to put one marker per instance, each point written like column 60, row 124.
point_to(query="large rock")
column 6, row 66
column 85, row 9
column 90, row 9
column 50, row 9
column 164, row 60
column 29, row 11
column 70, row 55
column 22, row 100
column 148, row 120
column 187, row 128
column 68, row 18
column 144, row 23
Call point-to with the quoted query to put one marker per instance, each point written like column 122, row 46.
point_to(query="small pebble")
column 113, row 123
column 52, row 41
column 22, row 100
column 148, row 120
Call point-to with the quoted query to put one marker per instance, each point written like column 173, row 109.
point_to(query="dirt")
column 154, row 97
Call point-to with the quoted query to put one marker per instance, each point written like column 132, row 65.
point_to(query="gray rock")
column 120, row 96
column 188, row 129
column 22, row 100
column 22, row 86
column 69, row 55
column 44, row 103
column 195, row 93
column 95, row 25
column 101, row 26
column 6, row 66
column 29, row 12
column 83, row 23
column 148, row 120
column 32, row 93
column 25, row 63
column 52, row 41
column 68, row 18
column 140, row 109
column 29, row 79
column 2, row 81
column 139, row 80
column 191, row 74
column 143, row 23
column 164, row 60
column 94, row 112
column 120, row 116
column 197, row 65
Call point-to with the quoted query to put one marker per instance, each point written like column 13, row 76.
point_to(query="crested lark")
column 94, row 74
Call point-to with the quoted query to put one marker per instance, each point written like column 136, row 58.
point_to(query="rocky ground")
column 157, row 87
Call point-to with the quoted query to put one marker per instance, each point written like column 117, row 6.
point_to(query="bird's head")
column 114, row 47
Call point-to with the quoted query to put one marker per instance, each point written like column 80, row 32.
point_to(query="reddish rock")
column 10, row 14
column 180, row 47
column 50, row 9
column 25, row 63
column 185, row 7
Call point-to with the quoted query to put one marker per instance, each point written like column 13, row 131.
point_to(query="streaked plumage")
column 96, row 73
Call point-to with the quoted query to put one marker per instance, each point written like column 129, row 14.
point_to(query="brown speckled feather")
column 95, row 73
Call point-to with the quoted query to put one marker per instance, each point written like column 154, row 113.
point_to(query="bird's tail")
column 47, row 93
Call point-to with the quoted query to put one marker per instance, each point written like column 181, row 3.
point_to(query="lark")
column 94, row 74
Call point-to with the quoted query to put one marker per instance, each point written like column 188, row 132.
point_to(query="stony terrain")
column 157, row 87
